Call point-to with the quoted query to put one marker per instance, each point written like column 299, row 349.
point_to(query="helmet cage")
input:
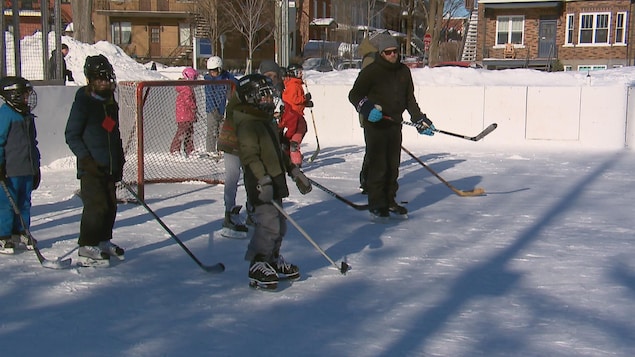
column 18, row 93
column 258, row 90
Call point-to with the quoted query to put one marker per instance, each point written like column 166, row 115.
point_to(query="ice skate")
column 285, row 270
column 379, row 215
column 233, row 227
column 262, row 276
column 23, row 242
column 6, row 245
column 112, row 250
column 92, row 256
column 397, row 211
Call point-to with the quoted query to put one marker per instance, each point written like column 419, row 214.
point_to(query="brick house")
column 580, row 34
column 30, row 15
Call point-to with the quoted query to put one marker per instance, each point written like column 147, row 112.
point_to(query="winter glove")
column 265, row 187
column 89, row 165
column 308, row 104
column 425, row 126
column 294, row 146
column 375, row 115
column 307, row 97
column 303, row 183
column 36, row 179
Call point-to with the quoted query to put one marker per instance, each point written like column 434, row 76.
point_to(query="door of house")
column 154, row 31
column 547, row 38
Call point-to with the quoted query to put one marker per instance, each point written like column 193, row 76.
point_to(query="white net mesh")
column 154, row 151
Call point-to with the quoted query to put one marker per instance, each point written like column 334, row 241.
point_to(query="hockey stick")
column 51, row 264
column 478, row 137
column 471, row 193
column 343, row 268
column 333, row 194
column 216, row 268
column 317, row 141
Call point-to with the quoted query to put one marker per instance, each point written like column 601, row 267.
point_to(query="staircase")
column 469, row 47
column 182, row 55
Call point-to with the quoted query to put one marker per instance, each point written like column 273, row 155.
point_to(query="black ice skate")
column 262, row 276
column 379, row 215
column 285, row 270
column 397, row 211
column 233, row 227
column 92, row 256
column 6, row 245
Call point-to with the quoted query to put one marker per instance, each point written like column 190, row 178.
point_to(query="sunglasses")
column 390, row 52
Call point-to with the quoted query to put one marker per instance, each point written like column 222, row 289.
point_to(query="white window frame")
column 569, row 31
column 620, row 27
column 594, row 29
column 509, row 29
column 117, row 33
column 591, row 67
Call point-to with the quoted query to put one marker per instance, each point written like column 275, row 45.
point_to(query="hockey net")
column 147, row 121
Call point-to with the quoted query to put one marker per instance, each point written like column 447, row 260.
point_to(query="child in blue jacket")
column 19, row 161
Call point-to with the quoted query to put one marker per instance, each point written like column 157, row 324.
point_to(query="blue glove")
column 375, row 115
column 428, row 131
column 425, row 126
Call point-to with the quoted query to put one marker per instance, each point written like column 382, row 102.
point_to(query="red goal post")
column 147, row 121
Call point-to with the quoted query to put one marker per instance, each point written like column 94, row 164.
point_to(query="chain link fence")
column 24, row 48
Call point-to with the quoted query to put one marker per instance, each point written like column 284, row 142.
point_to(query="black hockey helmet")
column 294, row 70
column 256, row 89
column 98, row 67
column 18, row 93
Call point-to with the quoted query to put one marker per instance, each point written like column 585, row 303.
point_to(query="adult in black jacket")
column 66, row 74
column 381, row 93
column 92, row 134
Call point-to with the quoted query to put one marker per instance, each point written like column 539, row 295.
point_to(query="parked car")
column 350, row 64
column 414, row 61
column 317, row 64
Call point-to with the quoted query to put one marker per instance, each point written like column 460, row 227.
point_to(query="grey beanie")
column 269, row 66
column 384, row 41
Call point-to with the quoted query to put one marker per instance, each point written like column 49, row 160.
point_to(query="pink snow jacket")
column 185, row 104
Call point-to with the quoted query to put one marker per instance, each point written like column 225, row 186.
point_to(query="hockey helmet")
column 18, row 93
column 214, row 62
column 294, row 70
column 257, row 90
column 98, row 67
column 190, row 73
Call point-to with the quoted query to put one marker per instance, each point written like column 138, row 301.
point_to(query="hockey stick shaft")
column 317, row 141
column 475, row 192
column 52, row 264
column 478, row 137
column 216, row 268
column 335, row 195
column 343, row 268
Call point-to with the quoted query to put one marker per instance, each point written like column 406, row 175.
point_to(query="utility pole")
column 282, row 38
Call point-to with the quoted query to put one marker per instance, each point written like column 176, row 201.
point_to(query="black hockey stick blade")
column 46, row 263
column 216, row 268
column 478, row 137
column 335, row 195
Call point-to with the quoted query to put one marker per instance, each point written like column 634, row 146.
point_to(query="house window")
column 620, row 28
column 185, row 34
column 120, row 32
column 570, row 29
column 594, row 28
column 591, row 67
column 510, row 29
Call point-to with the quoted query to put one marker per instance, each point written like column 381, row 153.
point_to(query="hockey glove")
column 36, row 179
column 371, row 111
column 375, row 115
column 303, row 183
column 308, row 104
column 425, row 126
column 265, row 187
column 307, row 97
column 89, row 165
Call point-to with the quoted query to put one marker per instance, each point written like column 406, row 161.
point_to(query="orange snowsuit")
column 292, row 122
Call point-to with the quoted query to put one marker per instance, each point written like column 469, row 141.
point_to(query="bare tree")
column 82, row 21
column 254, row 20
column 208, row 11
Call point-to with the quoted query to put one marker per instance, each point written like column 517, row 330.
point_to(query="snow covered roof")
column 323, row 21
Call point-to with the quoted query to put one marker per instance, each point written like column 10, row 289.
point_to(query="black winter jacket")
column 93, row 130
column 388, row 85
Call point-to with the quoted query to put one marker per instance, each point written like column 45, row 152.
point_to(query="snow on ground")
column 543, row 265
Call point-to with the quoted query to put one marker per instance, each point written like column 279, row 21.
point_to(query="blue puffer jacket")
column 18, row 143
column 216, row 96
column 93, row 130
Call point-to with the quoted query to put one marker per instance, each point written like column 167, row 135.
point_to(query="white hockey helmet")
column 214, row 62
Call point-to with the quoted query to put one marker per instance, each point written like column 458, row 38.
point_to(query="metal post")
column 17, row 58
column 3, row 45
